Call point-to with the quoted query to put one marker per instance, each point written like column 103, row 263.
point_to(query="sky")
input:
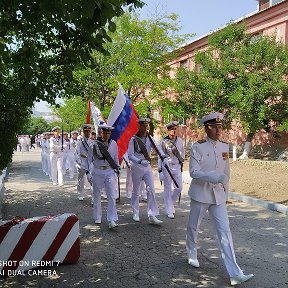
column 199, row 17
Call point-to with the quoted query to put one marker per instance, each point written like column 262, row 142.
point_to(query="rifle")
column 127, row 164
column 62, row 137
column 162, row 158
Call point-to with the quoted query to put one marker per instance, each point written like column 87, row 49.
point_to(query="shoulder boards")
column 223, row 142
column 201, row 141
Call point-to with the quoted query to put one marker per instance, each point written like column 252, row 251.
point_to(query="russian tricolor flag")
column 123, row 118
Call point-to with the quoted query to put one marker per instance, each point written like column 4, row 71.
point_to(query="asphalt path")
column 140, row 254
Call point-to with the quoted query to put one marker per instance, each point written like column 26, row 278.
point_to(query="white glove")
column 223, row 179
column 165, row 161
column 214, row 177
column 145, row 163
column 89, row 178
column 161, row 176
column 78, row 166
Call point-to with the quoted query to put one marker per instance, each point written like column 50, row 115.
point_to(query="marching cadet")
column 93, row 135
column 74, row 142
column 56, row 157
column 139, row 150
column 104, row 175
column 83, row 159
column 173, row 147
column 210, row 172
column 66, row 152
column 43, row 153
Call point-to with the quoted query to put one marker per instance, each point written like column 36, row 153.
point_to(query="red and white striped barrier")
column 29, row 243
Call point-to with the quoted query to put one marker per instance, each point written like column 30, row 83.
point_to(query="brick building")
column 270, row 17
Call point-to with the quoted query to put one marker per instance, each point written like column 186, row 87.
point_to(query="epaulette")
column 201, row 141
column 223, row 142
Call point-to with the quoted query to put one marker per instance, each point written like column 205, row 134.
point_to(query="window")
column 264, row 4
column 184, row 63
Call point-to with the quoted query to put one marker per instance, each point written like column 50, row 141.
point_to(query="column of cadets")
column 97, row 165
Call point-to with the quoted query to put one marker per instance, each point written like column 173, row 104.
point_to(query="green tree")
column 41, row 43
column 35, row 125
column 241, row 75
column 138, row 57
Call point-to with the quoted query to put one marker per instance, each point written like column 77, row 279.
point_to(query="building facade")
column 271, row 17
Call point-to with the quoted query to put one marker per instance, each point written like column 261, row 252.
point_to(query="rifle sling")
column 142, row 147
column 104, row 151
column 177, row 153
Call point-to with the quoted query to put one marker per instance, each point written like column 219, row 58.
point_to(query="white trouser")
column 139, row 173
column 44, row 162
column 56, row 162
column 220, row 221
column 80, row 182
column 65, row 161
column 171, row 195
column 129, row 185
column 71, row 164
column 104, row 178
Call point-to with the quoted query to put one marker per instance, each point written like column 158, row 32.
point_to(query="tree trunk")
column 247, row 147
column 234, row 152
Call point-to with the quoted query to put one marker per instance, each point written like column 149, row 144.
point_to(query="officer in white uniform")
column 56, row 157
column 173, row 147
column 104, row 175
column 142, row 170
column 209, row 168
column 83, row 159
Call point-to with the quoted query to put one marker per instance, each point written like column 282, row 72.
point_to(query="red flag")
column 88, row 115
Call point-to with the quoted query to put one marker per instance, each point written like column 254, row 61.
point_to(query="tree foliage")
column 138, row 57
column 242, row 75
column 41, row 43
column 35, row 125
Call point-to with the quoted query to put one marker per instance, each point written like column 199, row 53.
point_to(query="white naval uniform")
column 105, row 177
column 43, row 157
column 72, row 157
column 129, row 182
column 83, row 159
column 209, row 168
column 66, row 152
column 171, row 196
column 139, row 173
column 56, row 160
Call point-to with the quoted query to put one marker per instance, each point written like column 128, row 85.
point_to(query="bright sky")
column 201, row 16
column 195, row 16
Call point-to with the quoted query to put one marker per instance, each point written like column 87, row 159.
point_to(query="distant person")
column 210, row 172
column 32, row 141
column 56, row 157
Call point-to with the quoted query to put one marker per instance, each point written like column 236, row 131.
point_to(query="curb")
column 2, row 180
column 247, row 199
column 258, row 202
column 3, row 177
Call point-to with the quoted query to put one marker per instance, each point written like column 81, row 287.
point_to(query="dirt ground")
column 266, row 180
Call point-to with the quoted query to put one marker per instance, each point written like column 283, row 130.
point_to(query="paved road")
column 139, row 254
